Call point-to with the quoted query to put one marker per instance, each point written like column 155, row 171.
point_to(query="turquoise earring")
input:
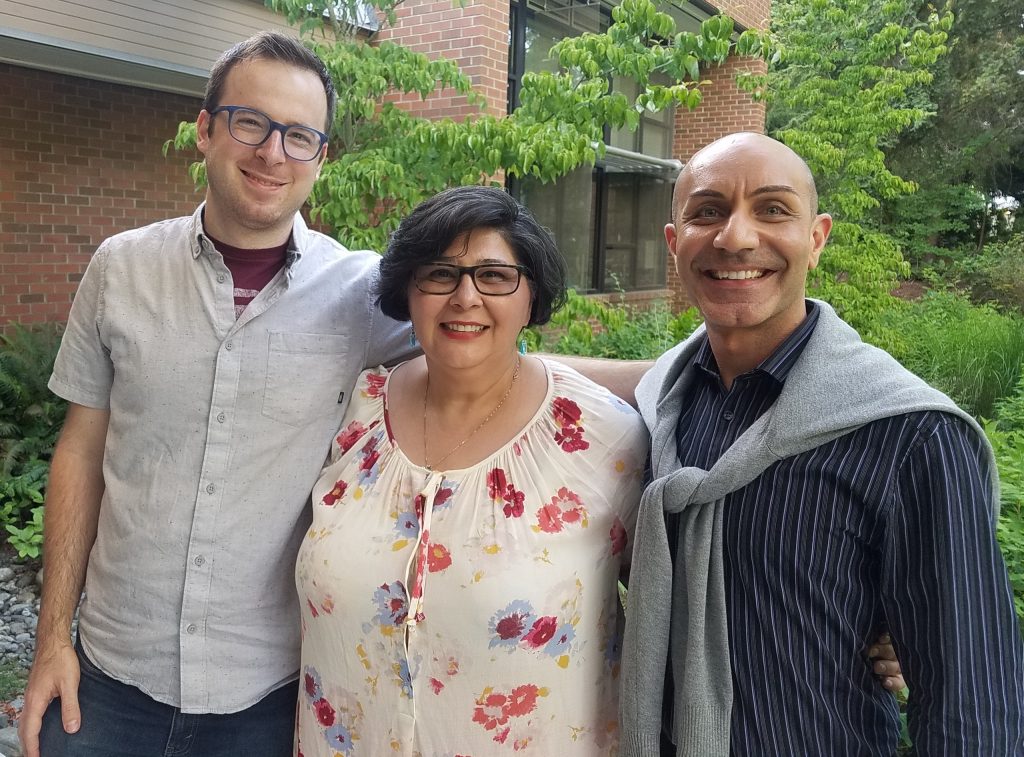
column 412, row 337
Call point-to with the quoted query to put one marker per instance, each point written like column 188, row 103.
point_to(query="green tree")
column 850, row 81
column 978, row 136
column 849, row 84
column 383, row 161
column 973, row 150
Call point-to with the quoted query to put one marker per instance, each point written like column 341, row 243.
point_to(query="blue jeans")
column 118, row 719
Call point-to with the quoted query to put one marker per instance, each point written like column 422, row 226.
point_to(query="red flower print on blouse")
column 567, row 415
column 490, row 709
column 549, row 519
column 570, row 439
column 331, row 498
column 374, row 384
column 513, row 503
column 496, row 484
column 349, row 436
column 619, row 537
column 566, row 412
column 443, row 495
column 523, row 700
column 542, row 631
column 499, row 489
column 494, row 708
column 324, row 712
column 511, row 626
column 565, row 508
column 310, row 685
column 436, row 685
column 312, row 608
column 370, row 455
column 438, row 558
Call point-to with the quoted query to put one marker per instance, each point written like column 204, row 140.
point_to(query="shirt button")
column 220, row 278
column 221, row 417
column 210, row 488
column 191, row 628
column 228, row 346
column 199, row 560
column 728, row 415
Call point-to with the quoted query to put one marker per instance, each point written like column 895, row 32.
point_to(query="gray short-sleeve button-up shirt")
column 218, row 429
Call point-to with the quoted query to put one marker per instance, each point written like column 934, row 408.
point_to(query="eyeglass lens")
column 488, row 279
column 251, row 127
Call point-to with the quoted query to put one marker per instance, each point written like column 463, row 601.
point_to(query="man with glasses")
column 208, row 360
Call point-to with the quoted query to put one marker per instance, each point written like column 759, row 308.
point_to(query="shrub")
column 1006, row 433
column 935, row 220
column 30, row 420
column 595, row 329
column 973, row 353
column 858, row 270
column 995, row 274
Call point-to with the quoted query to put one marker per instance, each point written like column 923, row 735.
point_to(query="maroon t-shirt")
column 251, row 270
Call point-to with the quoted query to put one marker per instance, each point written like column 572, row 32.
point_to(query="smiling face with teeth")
column 745, row 232
column 253, row 193
column 466, row 329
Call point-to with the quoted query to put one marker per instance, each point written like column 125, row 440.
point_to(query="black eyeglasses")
column 253, row 128
column 493, row 279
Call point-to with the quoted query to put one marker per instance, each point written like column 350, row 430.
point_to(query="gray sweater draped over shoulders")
column 837, row 385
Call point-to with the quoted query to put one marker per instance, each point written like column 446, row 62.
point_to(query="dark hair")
column 270, row 46
column 435, row 224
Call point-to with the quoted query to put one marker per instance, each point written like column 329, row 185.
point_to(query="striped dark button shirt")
column 889, row 526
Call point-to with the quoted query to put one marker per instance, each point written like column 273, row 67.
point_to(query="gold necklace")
column 453, row 450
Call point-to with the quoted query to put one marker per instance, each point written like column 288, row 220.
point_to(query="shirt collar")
column 200, row 242
column 780, row 362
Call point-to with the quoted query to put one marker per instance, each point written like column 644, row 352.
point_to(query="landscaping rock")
column 9, row 745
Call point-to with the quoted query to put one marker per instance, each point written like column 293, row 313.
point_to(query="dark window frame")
column 520, row 15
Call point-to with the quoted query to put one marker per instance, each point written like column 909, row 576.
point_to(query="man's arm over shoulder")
column 948, row 599
column 620, row 377
column 73, row 497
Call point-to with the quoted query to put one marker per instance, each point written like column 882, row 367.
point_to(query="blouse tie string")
column 424, row 511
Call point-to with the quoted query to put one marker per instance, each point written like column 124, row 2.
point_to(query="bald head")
column 744, row 151
column 744, row 234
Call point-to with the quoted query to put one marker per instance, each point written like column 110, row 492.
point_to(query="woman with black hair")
column 459, row 580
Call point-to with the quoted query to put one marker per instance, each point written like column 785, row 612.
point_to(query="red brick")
column 68, row 184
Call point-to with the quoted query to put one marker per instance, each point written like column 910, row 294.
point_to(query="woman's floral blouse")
column 469, row 612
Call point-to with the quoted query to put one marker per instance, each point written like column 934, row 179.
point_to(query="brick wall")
column 725, row 109
column 475, row 36
column 82, row 160
column 753, row 14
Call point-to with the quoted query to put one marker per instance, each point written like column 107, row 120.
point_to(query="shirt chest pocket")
column 306, row 376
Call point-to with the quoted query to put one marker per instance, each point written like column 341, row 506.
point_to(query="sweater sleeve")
column 646, row 641
column 948, row 599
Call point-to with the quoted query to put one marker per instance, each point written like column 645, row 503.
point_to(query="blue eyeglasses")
column 253, row 128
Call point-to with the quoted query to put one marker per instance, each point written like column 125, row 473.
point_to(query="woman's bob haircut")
column 435, row 224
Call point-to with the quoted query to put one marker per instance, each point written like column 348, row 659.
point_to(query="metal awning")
column 618, row 160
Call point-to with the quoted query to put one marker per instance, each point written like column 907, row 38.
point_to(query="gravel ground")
column 19, row 613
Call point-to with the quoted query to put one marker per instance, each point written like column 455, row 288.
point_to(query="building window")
column 607, row 220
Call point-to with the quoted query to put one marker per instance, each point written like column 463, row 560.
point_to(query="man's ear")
column 820, row 229
column 203, row 131
column 670, row 238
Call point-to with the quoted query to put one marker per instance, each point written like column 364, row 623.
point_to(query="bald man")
column 806, row 490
